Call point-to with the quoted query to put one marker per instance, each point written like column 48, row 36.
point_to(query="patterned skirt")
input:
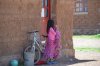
column 51, row 49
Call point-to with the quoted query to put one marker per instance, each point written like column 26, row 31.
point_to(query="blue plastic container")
column 14, row 62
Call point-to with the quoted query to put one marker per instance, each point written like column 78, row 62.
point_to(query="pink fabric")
column 57, row 44
column 51, row 34
column 53, row 44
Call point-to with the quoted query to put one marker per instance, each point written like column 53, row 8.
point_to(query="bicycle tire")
column 37, row 53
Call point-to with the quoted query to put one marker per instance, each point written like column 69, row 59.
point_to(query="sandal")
column 49, row 62
column 54, row 62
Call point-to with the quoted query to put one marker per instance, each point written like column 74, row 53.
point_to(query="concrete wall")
column 88, row 23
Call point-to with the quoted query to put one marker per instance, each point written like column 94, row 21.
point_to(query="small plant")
column 21, row 64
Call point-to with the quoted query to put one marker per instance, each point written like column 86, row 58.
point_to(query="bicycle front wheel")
column 37, row 53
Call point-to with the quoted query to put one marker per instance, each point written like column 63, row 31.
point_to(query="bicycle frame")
column 36, row 46
column 36, row 42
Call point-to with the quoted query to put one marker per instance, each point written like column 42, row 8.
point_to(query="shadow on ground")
column 68, row 61
column 74, row 61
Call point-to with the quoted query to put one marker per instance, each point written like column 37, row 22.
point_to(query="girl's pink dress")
column 52, row 45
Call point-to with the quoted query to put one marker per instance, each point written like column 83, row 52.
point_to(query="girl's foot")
column 49, row 62
column 54, row 62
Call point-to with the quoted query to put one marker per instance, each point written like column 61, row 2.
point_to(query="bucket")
column 29, row 58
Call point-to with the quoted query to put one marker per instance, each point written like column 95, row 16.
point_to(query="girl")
column 51, row 51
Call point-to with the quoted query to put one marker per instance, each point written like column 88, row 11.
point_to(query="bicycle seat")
column 33, row 31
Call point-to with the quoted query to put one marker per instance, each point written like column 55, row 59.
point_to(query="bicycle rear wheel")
column 37, row 53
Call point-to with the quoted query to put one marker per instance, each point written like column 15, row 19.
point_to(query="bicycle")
column 36, row 46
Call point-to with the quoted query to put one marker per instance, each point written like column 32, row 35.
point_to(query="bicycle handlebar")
column 36, row 32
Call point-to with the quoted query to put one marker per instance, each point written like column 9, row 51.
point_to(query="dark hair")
column 50, row 24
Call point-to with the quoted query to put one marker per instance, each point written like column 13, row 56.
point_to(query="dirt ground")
column 92, row 43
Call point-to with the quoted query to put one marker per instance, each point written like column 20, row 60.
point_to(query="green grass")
column 87, row 36
column 87, row 49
